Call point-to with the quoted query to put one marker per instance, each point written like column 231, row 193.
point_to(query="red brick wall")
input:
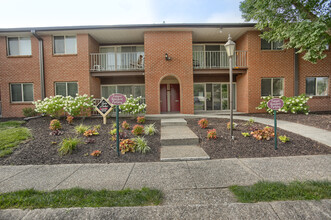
column 178, row 45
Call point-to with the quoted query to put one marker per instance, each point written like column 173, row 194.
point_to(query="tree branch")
column 302, row 9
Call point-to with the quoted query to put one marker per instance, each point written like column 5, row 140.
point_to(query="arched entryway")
column 169, row 95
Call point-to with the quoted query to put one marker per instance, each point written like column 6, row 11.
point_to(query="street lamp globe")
column 229, row 47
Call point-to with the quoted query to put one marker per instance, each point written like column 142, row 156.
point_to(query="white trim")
column 22, row 93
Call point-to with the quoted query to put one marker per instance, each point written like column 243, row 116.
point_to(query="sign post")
column 117, row 99
column 275, row 104
column 104, row 108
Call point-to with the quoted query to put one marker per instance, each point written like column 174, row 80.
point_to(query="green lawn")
column 77, row 197
column 273, row 191
column 11, row 134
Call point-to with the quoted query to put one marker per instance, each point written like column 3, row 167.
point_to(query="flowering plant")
column 125, row 125
column 203, row 123
column 266, row 133
column 138, row 130
column 127, row 145
column 96, row 153
column 90, row 132
column 70, row 119
column 80, row 105
column 52, row 106
column 141, row 120
column 133, row 106
column 211, row 134
column 55, row 125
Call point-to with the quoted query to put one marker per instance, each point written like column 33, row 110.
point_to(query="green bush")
column 80, row 105
column 150, row 129
column 29, row 112
column 295, row 104
column 133, row 106
column 137, row 130
column 55, row 125
column 141, row 145
column 68, row 145
column 52, row 106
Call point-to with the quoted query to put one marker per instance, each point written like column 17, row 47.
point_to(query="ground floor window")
column 272, row 86
column 317, row 86
column 135, row 90
column 213, row 96
column 21, row 92
column 66, row 88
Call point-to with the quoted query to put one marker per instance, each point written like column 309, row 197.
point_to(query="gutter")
column 41, row 63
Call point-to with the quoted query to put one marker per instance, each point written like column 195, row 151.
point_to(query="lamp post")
column 229, row 47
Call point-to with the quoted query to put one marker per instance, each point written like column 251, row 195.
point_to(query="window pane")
column 265, row 45
column 199, row 97
column 278, row 87
column 58, row 44
column 70, row 43
column 72, row 89
column 322, row 86
column 28, row 92
column 310, row 86
column 16, row 92
column 277, row 45
column 217, row 96
column 106, row 91
column 266, row 87
column 60, row 89
column 13, row 46
column 125, row 90
column 139, row 91
column 25, row 46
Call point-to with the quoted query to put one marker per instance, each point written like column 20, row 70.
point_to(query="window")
column 21, row 92
column 317, row 86
column 272, row 86
column 19, row 46
column 272, row 45
column 66, row 88
column 135, row 90
column 65, row 45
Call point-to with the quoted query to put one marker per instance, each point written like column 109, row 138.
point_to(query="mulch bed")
column 319, row 120
column 247, row 147
column 40, row 149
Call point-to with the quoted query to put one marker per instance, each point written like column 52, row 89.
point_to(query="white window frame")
column 19, row 50
column 327, row 88
column 271, row 45
column 64, row 44
column 66, row 86
column 116, row 86
column 11, row 94
column 272, row 86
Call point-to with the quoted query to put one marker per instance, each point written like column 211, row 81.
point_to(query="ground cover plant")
column 265, row 191
column 77, row 197
column 11, row 135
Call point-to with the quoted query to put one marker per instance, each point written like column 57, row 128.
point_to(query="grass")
column 68, row 145
column 277, row 191
column 11, row 135
column 77, row 197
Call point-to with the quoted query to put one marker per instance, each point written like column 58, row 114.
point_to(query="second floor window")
column 317, row 86
column 19, row 46
column 272, row 86
column 272, row 45
column 65, row 45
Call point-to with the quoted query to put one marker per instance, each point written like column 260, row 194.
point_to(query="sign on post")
column 104, row 108
column 275, row 104
column 117, row 99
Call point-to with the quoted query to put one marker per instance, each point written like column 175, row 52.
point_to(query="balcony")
column 218, row 60
column 117, row 61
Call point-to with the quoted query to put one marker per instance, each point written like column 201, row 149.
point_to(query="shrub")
column 68, row 145
column 141, row 120
column 70, row 119
column 96, row 153
column 266, row 133
column 127, row 145
column 133, row 106
column 234, row 125
column 55, row 125
column 56, row 132
column 203, row 123
column 90, row 132
column 80, row 105
column 125, row 125
column 138, row 130
column 284, row 139
column 80, row 129
column 150, row 129
column 245, row 134
column 52, row 106
column 141, row 145
column 295, row 104
column 29, row 112
column 211, row 134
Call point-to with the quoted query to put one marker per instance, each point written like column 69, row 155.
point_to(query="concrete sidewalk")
column 193, row 189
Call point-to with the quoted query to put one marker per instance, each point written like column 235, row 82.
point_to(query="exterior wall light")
column 167, row 57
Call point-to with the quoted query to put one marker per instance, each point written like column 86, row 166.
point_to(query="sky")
column 45, row 13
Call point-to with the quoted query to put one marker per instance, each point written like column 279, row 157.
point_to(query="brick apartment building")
column 174, row 67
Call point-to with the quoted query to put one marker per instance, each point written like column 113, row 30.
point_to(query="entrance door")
column 174, row 98
column 163, row 97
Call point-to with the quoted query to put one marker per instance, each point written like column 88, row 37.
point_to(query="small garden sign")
column 275, row 104
column 104, row 108
column 117, row 99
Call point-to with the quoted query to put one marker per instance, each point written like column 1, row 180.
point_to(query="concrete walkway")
column 193, row 189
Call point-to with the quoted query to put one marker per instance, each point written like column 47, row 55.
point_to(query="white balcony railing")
column 218, row 59
column 117, row 61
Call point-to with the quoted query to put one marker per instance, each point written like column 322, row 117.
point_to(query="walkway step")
column 178, row 135
column 183, row 153
column 173, row 122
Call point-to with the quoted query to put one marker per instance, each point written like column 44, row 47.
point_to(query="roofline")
column 129, row 26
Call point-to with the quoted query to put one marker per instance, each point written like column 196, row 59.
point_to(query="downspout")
column 296, row 73
column 41, row 63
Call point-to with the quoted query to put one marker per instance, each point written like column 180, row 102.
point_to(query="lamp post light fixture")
column 229, row 47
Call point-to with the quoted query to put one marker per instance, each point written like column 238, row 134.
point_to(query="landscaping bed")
column 247, row 147
column 43, row 147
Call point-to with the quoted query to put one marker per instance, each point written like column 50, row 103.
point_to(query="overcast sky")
column 40, row 13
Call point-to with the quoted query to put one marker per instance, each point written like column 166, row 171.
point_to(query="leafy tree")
column 304, row 24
